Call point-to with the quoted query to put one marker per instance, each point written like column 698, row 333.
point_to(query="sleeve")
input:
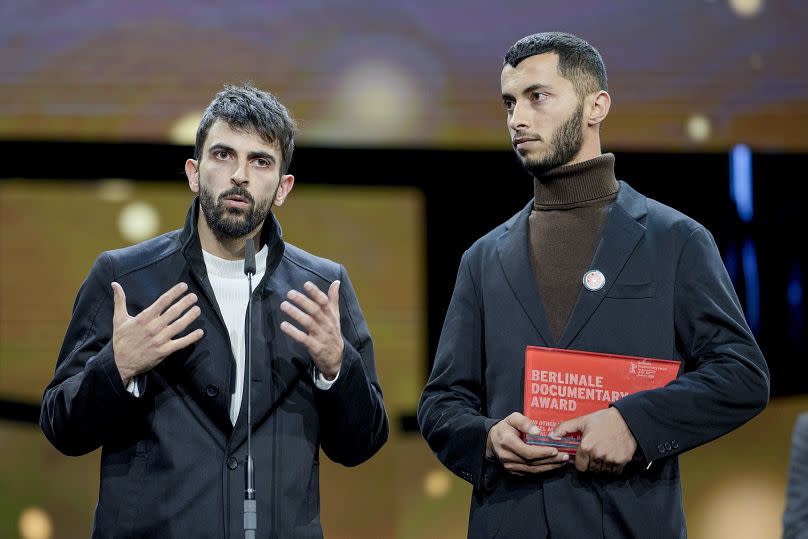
column 353, row 420
column 725, row 380
column 795, row 517
column 450, row 411
column 86, row 398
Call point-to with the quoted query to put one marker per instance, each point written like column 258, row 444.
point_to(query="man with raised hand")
column 152, row 368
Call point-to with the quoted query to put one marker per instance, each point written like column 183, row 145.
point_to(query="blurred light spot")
column 114, row 190
column 138, row 221
column 752, row 282
column 375, row 101
column 731, row 261
column 35, row 523
column 437, row 483
column 740, row 181
column 795, row 290
column 756, row 61
column 743, row 508
column 698, row 128
column 183, row 132
column 746, row 8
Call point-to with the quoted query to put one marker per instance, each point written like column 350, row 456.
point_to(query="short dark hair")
column 578, row 61
column 245, row 107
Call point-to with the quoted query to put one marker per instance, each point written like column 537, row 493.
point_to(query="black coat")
column 172, row 464
column 667, row 295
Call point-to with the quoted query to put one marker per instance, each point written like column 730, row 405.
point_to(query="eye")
column 263, row 163
column 508, row 104
column 538, row 96
column 221, row 154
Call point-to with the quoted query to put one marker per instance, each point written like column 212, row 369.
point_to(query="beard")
column 564, row 146
column 230, row 223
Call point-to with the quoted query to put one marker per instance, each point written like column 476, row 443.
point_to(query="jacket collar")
column 191, row 247
column 623, row 230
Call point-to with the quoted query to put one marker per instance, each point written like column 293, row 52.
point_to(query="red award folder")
column 564, row 384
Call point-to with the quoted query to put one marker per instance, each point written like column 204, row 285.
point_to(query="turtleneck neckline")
column 576, row 184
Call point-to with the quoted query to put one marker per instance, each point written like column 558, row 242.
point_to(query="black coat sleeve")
column 450, row 413
column 725, row 380
column 353, row 420
column 86, row 398
column 795, row 517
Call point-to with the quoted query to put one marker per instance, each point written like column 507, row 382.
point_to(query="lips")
column 236, row 201
column 521, row 140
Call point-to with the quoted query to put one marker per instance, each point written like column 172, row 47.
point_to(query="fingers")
column 173, row 312
column 182, row 342
column 308, row 310
column 179, row 325
column 572, row 425
column 333, row 297
column 305, row 321
column 163, row 302
column 119, row 297
column 582, row 461
column 294, row 333
column 521, row 423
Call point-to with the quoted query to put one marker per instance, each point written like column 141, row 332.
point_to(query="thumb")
column 333, row 296
column 576, row 424
column 120, row 313
column 522, row 423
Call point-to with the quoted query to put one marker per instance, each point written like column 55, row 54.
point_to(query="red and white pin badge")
column 594, row 280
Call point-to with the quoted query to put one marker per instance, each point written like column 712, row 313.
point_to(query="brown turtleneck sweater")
column 570, row 207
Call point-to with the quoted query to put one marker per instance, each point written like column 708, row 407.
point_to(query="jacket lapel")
column 514, row 256
column 621, row 235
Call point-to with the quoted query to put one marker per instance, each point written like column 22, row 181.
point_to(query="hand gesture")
column 141, row 342
column 607, row 444
column 506, row 444
column 318, row 315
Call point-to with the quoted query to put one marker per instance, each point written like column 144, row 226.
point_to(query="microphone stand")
column 250, row 516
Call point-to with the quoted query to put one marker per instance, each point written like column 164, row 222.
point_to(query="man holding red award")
column 593, row 266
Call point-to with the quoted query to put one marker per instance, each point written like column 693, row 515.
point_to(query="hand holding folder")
column 567, row 395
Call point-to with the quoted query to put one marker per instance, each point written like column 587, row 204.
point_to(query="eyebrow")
column 255, row 154
column 529, row 89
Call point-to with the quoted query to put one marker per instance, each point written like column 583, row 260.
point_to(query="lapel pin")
column 594, row 280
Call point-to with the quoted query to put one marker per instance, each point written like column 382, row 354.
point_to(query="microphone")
column 250, row 514
column 249, row 258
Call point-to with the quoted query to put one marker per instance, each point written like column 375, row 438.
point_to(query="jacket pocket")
column 632, row 290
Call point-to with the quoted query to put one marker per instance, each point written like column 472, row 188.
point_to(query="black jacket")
column 172, row 464
column 667, row 295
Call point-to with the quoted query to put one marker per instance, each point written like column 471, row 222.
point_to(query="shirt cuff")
column 321, row 382
column 133, row 387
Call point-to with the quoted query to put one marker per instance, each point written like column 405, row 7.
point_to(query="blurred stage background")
column 403, row 161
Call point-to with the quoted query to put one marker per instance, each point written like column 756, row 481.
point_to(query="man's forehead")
column 539, row 68
column 223, row 133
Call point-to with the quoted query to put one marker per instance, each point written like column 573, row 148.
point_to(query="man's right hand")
column 141, row 342
column 505, row 443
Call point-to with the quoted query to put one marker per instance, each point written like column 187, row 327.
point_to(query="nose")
column 517, row 120
column 239, row 176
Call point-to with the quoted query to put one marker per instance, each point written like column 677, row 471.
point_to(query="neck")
column 576, row 183
column 227, row 248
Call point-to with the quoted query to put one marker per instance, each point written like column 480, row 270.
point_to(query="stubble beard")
column 565, row 145
column 231, row 223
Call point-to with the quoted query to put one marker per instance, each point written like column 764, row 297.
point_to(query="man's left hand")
column 318, row 315
column 607, row 444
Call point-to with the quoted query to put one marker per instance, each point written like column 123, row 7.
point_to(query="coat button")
column 212, row 390
column 232, row 463
column 675, row 444
column 660, row 448
column 668, row 446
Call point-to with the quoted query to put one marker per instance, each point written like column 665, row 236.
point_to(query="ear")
column 192, row 172
column 598, row 108
column 284, row 188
